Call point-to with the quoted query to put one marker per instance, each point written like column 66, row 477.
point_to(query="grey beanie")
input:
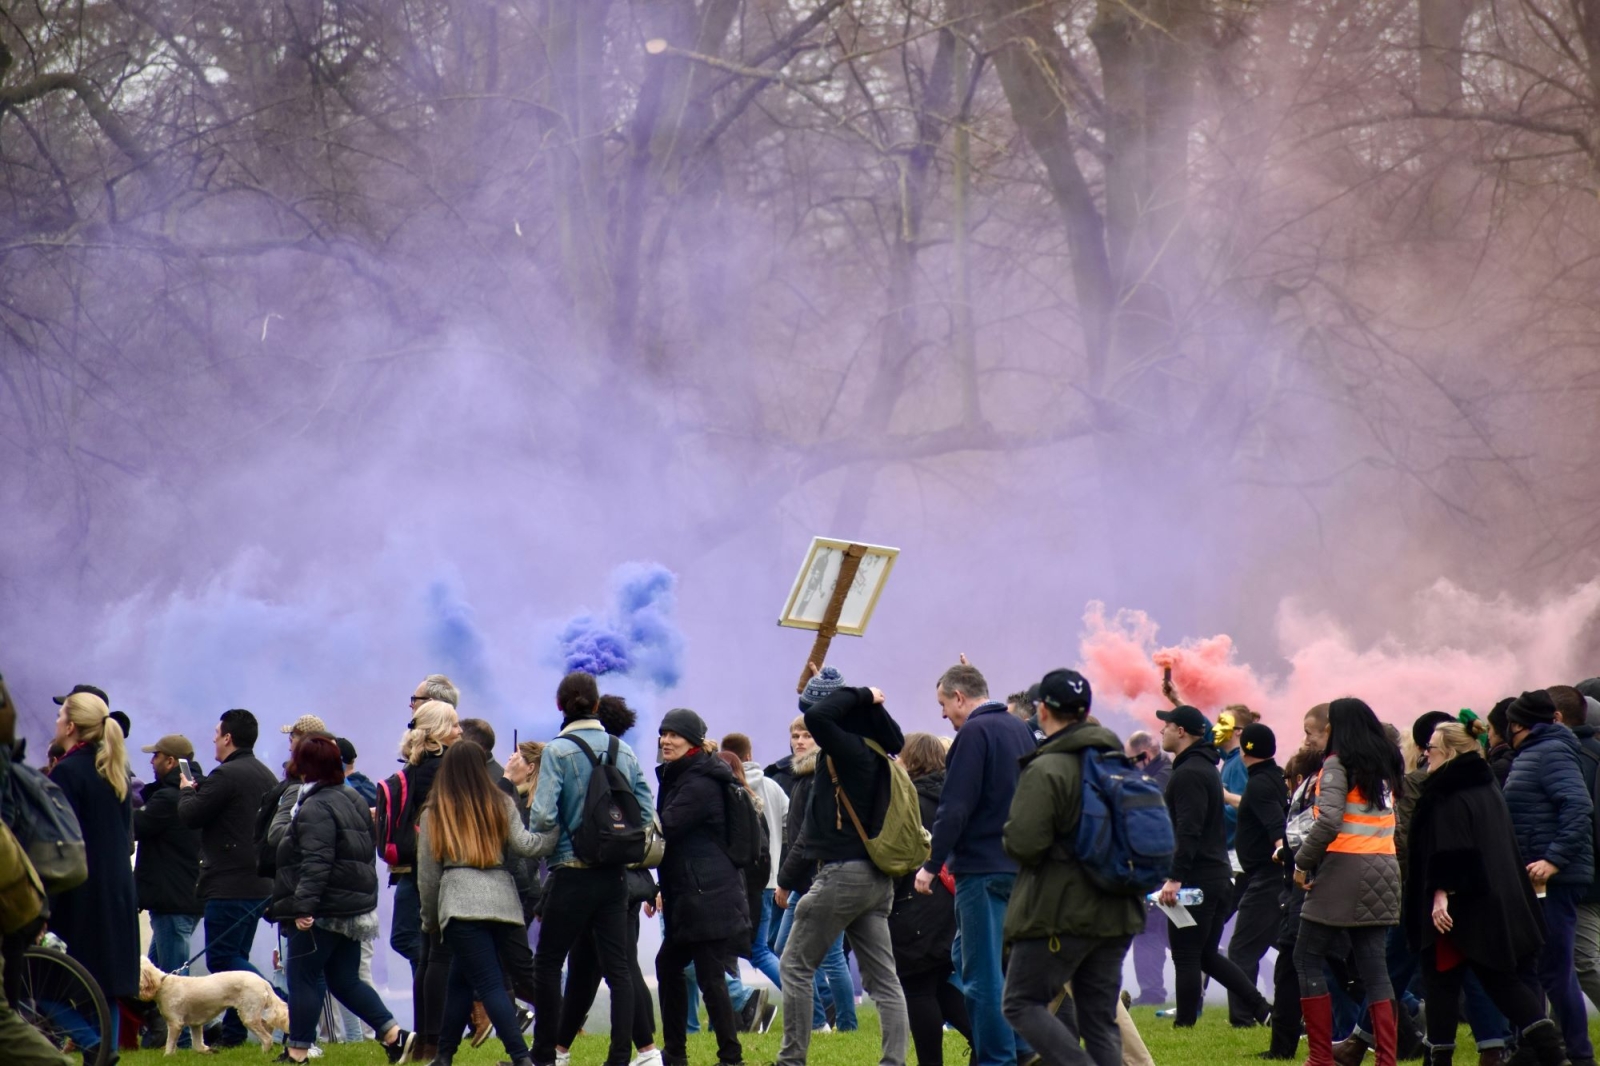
column 685, row 723
column 819, row 688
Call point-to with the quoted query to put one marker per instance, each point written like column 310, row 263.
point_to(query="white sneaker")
column 824, row 1029
column 647, row 1058
column 563, row 1058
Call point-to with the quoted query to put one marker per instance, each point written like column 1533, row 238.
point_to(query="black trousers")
column 581, row 902
column 931, row 1001
column 430, row 983
column 516, row 959
column 583, row 981
column 1255, row 928
column 1196, row 951
column 1513, row 994
column 1285, row 979
column 710, row 958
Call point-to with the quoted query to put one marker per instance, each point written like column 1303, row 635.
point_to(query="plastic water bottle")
column 1188, row 897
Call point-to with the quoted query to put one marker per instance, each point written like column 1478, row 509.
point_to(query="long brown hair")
column 468, row 822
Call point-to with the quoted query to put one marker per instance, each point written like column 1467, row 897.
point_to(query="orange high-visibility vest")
column 1367, row 830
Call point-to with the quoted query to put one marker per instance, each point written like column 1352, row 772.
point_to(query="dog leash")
column 183, row 971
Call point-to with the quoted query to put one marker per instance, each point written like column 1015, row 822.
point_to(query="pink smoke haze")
column 1460, row 650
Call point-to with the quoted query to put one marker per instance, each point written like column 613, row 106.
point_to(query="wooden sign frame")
column 805, row 610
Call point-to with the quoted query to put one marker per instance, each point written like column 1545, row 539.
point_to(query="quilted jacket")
column 1347, row 889
column 1550, row 807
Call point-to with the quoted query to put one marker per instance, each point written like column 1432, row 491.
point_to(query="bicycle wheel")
column 59, row 998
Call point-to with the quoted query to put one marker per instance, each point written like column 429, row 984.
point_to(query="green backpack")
column 902, row 845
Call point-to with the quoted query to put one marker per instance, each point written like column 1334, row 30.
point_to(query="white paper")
column 1178, row 913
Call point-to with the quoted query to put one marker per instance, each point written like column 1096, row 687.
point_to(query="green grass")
column 1212, row 1041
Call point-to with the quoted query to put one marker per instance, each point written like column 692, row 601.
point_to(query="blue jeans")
column 405, row 928
column 230, row 926
column 320, row 962
column 475, row 974
column 169, row 940
column 1557, row 968
column 761, row 956
column 832, row 981
column 981, row 913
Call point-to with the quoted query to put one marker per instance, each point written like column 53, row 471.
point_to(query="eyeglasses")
column 416, row 700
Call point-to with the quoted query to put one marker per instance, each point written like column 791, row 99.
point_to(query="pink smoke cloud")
column 1459, row 650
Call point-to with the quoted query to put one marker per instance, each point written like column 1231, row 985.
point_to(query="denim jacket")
column 564, row 782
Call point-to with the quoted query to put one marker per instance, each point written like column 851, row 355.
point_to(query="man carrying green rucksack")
column 856, row 829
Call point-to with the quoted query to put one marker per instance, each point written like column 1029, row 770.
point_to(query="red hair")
column 316, row 760
column 737, row 766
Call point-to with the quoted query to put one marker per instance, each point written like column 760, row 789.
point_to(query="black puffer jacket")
column 167, row 870
column 327, row 860
column 702, row 891
column 798, row 866
column 922, row 928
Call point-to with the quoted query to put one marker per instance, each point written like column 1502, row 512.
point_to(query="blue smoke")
column 455, row 642
column 639, row 638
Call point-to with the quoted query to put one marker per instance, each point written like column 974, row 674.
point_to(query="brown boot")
column 1351, row 1050
column 481, row 1026
column 1492, row 1056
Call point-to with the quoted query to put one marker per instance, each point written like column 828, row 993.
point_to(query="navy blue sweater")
column 1550, row 808
column 980, row 776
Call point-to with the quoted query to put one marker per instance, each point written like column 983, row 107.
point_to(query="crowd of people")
column 1446, row 865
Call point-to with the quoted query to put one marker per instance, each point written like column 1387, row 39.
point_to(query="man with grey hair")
column 1150, row 946
column 435, row 687
column 980, row 778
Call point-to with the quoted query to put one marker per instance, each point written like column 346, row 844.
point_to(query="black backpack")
column 44, row 823
column 612, row 832
column 396, row 820
column 746, row 829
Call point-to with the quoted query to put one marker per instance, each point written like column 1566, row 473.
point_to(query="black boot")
column 1441, row 1055
column 1541, row 1043
column 1410, row 1043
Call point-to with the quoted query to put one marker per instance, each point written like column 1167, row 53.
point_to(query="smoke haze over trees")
column 340, row 337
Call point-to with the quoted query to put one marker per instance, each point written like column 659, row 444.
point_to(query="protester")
column 1061, row 926
column 434, row 728
column 583, row 965
column 1347, row 866
column 1150, row 945
column 365, row 787
column 703, row 894
column 749, row 1002
column 516, row 954
column 273, row 818
column 1469, row 905
column 592, row 900
column 99, row 919
column 481, row 733
column 848, row 893
column 922, row 927
column 832, row 981
column 1572, row 711
column 1262, row 805
column 980, row 779
column 469, row 835
column 775, row 809
column 1300, row 775
column 1225, row 738
column 325, row 895
column 223, row 807
column 1501, row 753
column 1194, row 800
column 1552, row 813
column 435, row 687
column 167, row 870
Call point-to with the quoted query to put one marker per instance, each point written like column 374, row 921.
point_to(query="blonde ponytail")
column 95, row 726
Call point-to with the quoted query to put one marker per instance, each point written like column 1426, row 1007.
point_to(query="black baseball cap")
column 1187, row 718
column 1064, row 690
column 1258, row 741
column 90, row 689
column 347, row 750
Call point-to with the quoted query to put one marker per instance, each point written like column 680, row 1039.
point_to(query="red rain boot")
column 1383, row 1032
column 1318, row 1014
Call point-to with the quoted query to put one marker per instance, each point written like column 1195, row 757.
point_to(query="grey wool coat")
column 1347, row 889
column 449, row 891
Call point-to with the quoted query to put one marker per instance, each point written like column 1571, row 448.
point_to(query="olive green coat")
column 1053, row 894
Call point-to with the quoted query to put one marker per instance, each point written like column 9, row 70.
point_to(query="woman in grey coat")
column 468, row 834
column 1348, row 868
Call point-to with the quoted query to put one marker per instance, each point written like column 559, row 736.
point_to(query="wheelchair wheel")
column 59, row 998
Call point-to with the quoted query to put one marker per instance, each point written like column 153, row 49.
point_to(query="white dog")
column 193, row 1001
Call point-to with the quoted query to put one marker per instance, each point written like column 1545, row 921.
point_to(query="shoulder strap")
column 584, row 747
column 840, row 797
column 611, row 751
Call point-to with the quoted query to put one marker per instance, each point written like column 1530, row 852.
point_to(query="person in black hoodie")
column 702, row 892
column 848, row 893
column 1194, row 799
column 1255, row 837
column 923, row 926
column 325, row 894
column 1500, row 751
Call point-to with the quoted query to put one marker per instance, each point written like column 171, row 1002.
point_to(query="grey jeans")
column 1036, row 1005
column 1586, row 950
column 853, row 898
